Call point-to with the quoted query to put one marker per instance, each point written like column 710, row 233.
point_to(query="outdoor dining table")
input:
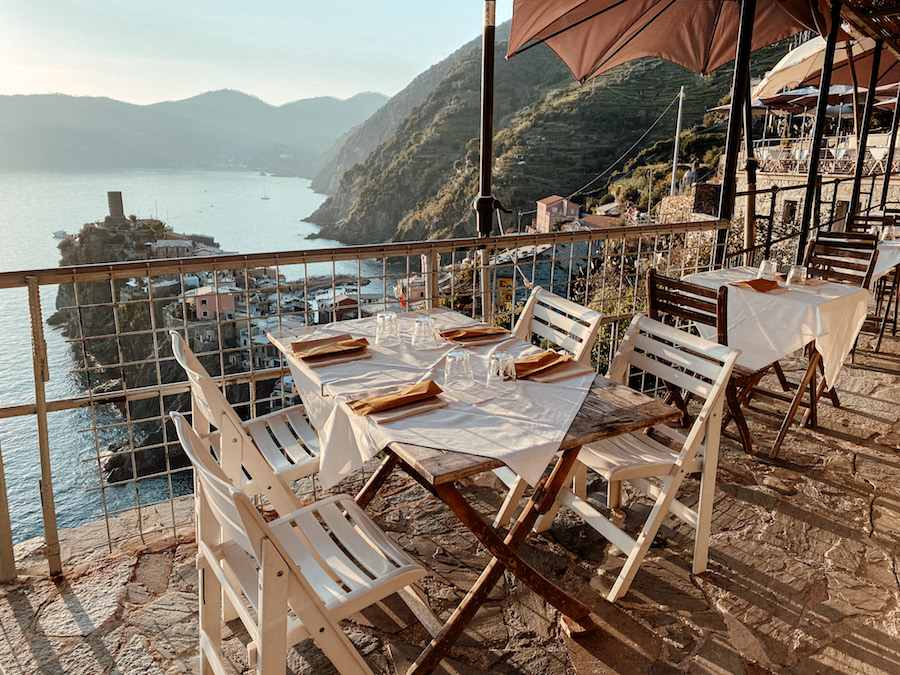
column 767, row 327
column 539, row 426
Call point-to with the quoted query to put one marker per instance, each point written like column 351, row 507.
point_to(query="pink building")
column 552, row 209
column 206, row 304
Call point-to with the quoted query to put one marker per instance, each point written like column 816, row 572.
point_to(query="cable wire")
column 625, row 154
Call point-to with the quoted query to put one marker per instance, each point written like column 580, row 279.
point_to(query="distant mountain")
column 218, row 129
column 552, row 136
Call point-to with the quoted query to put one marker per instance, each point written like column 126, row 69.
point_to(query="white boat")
column 60, row 234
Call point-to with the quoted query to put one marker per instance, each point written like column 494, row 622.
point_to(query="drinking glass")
column 767, row 270
column 386, row 332
column 458, row 370
column 424, row 335
column 797, row 275
column 501, row 375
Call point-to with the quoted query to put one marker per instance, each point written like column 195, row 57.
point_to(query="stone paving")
column 803, row 574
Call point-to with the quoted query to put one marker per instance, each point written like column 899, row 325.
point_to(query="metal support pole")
column 7, row 559
column 733, row 140
column 484, row 203
column 864, row 130
column 677, row 139
column 750, row 204
column 889, row 162
column 41, row 375
column 812, row 176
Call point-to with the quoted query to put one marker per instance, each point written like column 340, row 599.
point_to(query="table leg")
column 505, row 557
column 370, row 489
column 795, row 402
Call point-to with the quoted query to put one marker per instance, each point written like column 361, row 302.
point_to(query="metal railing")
column 112, row 429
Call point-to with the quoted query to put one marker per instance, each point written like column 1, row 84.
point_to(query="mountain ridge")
column 217, row 129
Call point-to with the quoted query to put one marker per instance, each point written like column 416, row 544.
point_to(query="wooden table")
column 608, row 410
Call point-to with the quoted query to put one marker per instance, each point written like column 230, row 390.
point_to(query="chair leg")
column 543, row 523
column 513, row 497
column 210, row 593
column 272, row 615
column 614, row 495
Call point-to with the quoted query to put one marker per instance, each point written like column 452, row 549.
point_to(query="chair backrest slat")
column 562, row 322
column 691, row 302
column 843, row 257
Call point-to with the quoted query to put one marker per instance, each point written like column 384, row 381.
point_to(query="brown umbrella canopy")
column 592, row 36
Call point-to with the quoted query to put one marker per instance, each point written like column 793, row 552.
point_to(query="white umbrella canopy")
column 593, row 36
column 803, row 66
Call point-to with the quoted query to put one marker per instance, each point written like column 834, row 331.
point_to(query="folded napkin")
column 473, row 332
column 761, row 285
column 413, row 393
column 532, row 365
column 312, row 349
column 562, row 371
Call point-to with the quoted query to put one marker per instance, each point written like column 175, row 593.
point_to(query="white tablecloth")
column 767, row 327
column 522, row 429
column 888, row 257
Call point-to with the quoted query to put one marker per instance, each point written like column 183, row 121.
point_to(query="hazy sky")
column 278, row 50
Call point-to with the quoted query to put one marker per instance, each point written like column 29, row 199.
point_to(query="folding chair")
column 322, row 563
column 281, row 443
column 565, row 324
column 842, row 257
column 692, row 364
column 707, row 306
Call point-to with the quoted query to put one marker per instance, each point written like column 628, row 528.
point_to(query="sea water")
column 33, row 205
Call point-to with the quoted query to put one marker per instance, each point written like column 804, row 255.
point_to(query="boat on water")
column 60, row 234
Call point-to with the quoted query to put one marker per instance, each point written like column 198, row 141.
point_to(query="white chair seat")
column 287, row 442
column 633, row 456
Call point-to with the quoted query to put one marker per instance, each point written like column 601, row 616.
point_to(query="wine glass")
column 458, row 370
column 386, row 332
column 501, row 375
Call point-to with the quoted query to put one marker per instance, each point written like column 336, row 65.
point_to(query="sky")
column 278, row 50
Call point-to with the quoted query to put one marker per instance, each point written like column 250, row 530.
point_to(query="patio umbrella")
column 803, row 66
column 592, row 36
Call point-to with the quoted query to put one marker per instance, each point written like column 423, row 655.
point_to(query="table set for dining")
column 441, row 432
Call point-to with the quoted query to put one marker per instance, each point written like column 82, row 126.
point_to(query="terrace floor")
column 803, row 574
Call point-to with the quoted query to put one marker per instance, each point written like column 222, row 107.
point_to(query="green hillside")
column 552, row 136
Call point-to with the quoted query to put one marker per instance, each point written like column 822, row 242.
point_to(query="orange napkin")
column 473, row 332
column 538, row 363
column 310, row 349
column 413, row 393
column 761, row 285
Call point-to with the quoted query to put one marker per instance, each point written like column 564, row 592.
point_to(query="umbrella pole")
column 732, row 142
column 484, row 203
column 864, row 130
column 750, row 206
column 889, row 163
column 812, row 176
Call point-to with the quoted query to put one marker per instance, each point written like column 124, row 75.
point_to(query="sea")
column 228, row 205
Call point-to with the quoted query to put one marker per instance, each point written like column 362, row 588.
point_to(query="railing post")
column 7, row 559
column 487, row 306
column 430, row 270
column 41, row 375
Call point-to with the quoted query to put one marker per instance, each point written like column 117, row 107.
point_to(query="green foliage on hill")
column 552, row 136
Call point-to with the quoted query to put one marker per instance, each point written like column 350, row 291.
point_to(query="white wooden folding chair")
column 282, row 441
column 322, row 563
column 692, row 364
column 565, row 325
